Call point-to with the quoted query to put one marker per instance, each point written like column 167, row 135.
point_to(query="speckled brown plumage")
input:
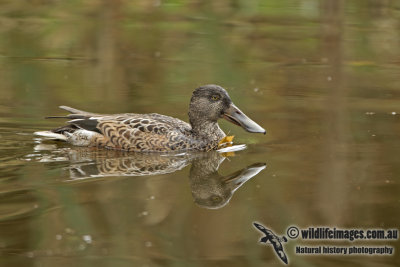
column 154, row 132
column 148, row 132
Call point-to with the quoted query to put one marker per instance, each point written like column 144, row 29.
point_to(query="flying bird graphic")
column 275, row 241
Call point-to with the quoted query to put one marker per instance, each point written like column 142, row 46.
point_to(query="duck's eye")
column 215, row 97
column 216, row 199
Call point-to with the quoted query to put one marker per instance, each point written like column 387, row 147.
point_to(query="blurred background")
column 322, row 77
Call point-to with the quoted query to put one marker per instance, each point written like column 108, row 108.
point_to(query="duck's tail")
column 62, row 133
column 77, row 111
column 80, row 130
column 51, row 135
column 75, row 114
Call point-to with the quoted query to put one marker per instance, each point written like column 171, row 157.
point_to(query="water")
column 322, row 77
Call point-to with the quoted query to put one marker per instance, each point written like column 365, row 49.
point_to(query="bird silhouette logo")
column 274, row 240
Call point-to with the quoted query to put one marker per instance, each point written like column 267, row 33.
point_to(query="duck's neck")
column 206, row 129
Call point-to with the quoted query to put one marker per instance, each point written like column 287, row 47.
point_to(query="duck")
column 154, row 132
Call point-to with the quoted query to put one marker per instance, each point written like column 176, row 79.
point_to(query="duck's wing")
column 154, row 116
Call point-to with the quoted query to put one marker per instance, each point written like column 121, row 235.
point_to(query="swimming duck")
column 154, row 132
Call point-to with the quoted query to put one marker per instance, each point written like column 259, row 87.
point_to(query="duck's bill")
column 237, row 179
column 236, row 116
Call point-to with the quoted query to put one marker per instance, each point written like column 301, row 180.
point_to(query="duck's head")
column 211, row 102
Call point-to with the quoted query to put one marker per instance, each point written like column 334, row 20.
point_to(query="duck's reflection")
column 209, row 188
column 212, row 190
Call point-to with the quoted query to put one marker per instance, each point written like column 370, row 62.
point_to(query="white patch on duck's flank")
column 51, row 135
column 81, row 137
